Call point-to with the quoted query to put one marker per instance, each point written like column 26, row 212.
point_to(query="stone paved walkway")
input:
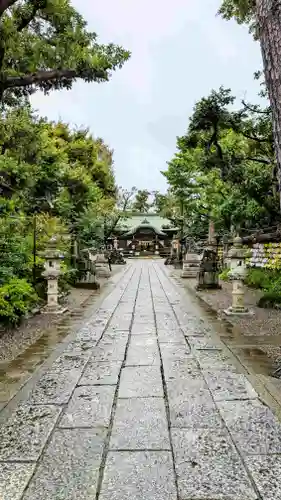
column 142, row 405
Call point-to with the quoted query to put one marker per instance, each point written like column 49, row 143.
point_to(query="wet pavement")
column 144, row 402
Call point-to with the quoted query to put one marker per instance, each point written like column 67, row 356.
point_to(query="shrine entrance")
column 145, row 239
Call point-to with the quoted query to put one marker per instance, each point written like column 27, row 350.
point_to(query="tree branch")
column 258, row 160
column 5, row 4
column 254, row 137
column 51, row 75
column 254, row 109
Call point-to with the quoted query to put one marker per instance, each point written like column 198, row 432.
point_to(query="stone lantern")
column 51, row 273
column 236, row 255
column 238, row 275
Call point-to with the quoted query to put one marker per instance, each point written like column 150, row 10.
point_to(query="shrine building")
column 145, row 234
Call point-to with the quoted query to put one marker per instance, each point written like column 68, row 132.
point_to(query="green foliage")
column 270, row 282
column 242, row 11
column 260, row 278
column 270, row 299
column 224, row 275
column 17, row 298
column 224, row 168
column 45, row 44
column 141, row 201
column 53, row 180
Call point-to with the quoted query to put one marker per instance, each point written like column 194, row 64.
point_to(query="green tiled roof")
column 151, row 219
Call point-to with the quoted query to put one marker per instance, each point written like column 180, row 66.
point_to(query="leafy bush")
column 67, row 279
column 17, row 297
column 270, row 282
column 270, row 299
column 261, row 278
column 224, row 274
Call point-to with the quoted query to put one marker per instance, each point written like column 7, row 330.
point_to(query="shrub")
column 270, row 282
column 17, row 297
column 67, row 279
column 259, row 278
column 224, row 274
column 270, row 299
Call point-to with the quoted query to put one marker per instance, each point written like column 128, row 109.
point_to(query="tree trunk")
column 268, row 14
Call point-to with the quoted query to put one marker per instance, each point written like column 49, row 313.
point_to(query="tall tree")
column 141, row 202
column 121, row 210
column 45, row 44
column 224, row 167
column 264, row 16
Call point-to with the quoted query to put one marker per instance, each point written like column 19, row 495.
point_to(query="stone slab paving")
column 143, row 404
column 139, row 475
column 97, row 373
column 140, row 423
column 24, row 434
column 90, row 406
column 70, row 466
column 143, row 350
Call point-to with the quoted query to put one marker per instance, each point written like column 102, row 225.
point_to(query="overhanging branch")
column 258, row 160
column 254, row 137
column 52, row 75
column 254, row 109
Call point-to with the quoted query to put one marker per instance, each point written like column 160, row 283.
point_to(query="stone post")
column 51, row 273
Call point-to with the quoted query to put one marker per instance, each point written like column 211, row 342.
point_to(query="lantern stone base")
column 242, row 311
column 54, row 310
column 102, row 271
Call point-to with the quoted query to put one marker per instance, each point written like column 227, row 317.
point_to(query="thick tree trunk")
column 268, row 14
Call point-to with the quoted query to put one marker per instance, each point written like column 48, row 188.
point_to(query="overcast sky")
column 180, row 51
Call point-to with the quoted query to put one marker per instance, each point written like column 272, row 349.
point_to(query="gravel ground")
column 14, row 341
column 264, row 322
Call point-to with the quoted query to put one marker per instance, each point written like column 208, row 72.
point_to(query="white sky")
column 180, row 51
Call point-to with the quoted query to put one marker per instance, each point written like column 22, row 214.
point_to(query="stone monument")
column 191, row 265
column 102, row 268
column 208, row 275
